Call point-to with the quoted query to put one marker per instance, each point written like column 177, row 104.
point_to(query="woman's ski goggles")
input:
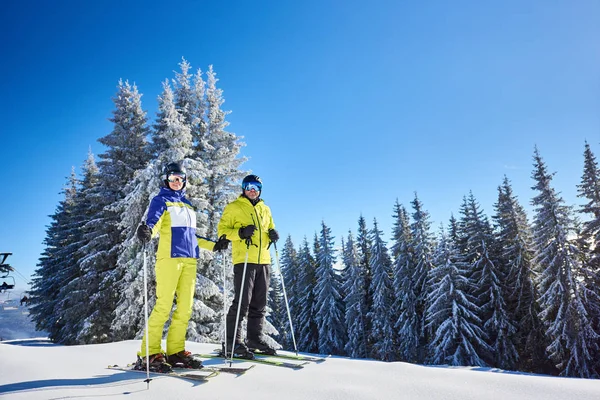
column 176, row 178
column 257, row 187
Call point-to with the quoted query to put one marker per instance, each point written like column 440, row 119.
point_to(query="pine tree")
column 452, row 312
column 402, row 268
column 329, row 316
column 589, row 189
column 219, row 153
column 54, row 267
column 174, row 134
column 413, row 330
column 126, row 153
column 276, row 310
column 364, row 253
column 563, row 310
column 75, row 293
column 308, row 331
column 382, row 333
column 290, row 268
column 475, row 241
column 513, row 233
column 354, row 288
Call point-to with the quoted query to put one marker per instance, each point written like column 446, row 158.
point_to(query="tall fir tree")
column 364, row 253
column 126, row 153
column 589, row 189
column 308, row 331
column 382, row 333
column 290, row 269
column 55, row 268
column 452, row 313
column 354, row 289
column 402, row 271
column 329, row 316
column 422, row 253
column 563, row 310
column 514, row 236
column 219, row 152
column 75, row 293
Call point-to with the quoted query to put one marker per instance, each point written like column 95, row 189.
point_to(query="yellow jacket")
column 239, row 213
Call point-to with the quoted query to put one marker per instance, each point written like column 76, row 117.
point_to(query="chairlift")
column 5, row 270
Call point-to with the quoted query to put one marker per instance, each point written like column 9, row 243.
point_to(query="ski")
column 229, row 370
column 293, row 357
column 196, row 376
column 299, row 357
column 260, row 360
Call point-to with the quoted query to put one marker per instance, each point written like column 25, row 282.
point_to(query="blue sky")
column 345, row 106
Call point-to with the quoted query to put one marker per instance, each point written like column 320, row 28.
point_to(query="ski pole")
column 224, row 303
column 146, row 317
column 237, row 318
column 287, row 305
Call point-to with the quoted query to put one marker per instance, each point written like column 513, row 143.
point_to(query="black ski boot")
column 261, row 346
column 158, row 363
column 239, row 351
column 184, row 359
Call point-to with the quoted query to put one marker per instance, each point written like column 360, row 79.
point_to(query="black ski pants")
column 254, row 300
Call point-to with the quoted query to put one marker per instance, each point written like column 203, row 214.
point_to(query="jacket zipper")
column 259, row 232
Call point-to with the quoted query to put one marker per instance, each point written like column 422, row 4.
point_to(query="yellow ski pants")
column 173, row 276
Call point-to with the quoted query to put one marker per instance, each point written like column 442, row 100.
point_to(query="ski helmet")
column 251, row 179
column 173, row 168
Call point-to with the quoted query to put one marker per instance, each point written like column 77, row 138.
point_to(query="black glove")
column 273, row 235
column 222, row 244
column 246, row 232
column 144, row 233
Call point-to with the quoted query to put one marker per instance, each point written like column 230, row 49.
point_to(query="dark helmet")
column 173, row 168
column 251, row 179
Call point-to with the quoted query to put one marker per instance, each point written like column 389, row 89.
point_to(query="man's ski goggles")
column 257, row 187
column 176, row 178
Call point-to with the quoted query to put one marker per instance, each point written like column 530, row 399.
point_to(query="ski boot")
column 184, row 359
column 239, row 351
column 261, row 346
column 158, row 363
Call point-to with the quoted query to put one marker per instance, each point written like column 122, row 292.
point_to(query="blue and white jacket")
column 173, row 217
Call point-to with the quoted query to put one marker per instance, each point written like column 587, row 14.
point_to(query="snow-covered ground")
column 37, row 369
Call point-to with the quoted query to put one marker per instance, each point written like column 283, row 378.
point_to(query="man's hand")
column 246, row 232
column 273, row 235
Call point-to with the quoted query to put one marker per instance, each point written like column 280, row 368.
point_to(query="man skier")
column 248, row 223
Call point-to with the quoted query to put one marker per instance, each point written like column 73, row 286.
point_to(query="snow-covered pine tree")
column 402, row 265
column 174, row 134
column 329, row 316
column 589, row 189
column 307, row 329
column 382, row 333
column 74, row 295
column 514, row 236
column 54, row 266
column 451, row 312
column 276, row 311
column 126, row 153
column 364, row 253
column 475, row 236
column 354, row 289
column 488, row 278
column 411, row 321
column 290, row 270
column 563, row 309
column 219, row 152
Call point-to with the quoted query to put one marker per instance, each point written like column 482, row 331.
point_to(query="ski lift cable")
column 21, row 275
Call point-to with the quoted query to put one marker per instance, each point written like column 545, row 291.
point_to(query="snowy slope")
column 36, row 369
